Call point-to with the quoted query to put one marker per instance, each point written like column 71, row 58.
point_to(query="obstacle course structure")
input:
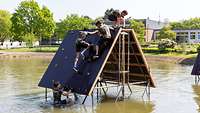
column 121, row 63
column 196, row 68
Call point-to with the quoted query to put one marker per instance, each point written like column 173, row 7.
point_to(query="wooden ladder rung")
column 115, row 72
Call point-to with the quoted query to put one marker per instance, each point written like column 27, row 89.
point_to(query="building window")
column 198, row 35
column 192, row 35
column 181, row 37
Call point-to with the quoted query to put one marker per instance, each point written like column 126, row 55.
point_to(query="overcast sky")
column 174, row 10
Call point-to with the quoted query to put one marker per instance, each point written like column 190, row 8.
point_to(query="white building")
column 188, row 36
column 151, row 27
column 7, row 44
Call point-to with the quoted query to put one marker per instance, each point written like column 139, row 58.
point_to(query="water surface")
column 175, row 91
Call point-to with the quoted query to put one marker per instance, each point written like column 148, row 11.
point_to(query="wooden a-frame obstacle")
column 124, row 65
column 121, row 64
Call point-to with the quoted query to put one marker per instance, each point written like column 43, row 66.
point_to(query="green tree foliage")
column 138, row 28
column 166, row 33
column 193, row 23
column 29, row 18
column 72, row 22
column 29, row 38
column 5, row 25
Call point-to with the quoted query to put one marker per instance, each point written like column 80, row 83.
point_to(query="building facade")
column 151, row 26
column 187, row 36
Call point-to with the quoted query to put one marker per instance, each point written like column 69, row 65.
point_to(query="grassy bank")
column 188, row 56
column 34, row 49
column 171, row 57
column 150, row 52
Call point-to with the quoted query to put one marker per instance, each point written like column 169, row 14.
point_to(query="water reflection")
column 196, row 89
column 128, row 106
column 18, row 76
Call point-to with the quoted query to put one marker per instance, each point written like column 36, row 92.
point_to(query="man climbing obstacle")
column 81, row 47
column 105, row 36
column 117, row 17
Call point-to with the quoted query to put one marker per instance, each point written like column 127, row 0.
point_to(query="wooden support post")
column 84, row 100
column 123, row 66
column 103, row 88
column 97, row 91
column 92, row 99
column 147, row 89
column 46, row 94
column 118, row 94
column 197, row 79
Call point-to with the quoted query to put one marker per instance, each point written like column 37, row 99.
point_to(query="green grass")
column 35, row 49
column 173, row 54
column 147, row 51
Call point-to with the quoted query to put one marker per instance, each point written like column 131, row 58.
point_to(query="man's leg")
column 97, row 52
column 76, row 61
column 82, row 53
column 99, row 44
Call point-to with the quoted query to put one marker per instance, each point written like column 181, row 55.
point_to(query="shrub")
column 166, row 43
column 198, row 48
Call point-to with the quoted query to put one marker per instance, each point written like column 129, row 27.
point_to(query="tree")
column 72, row 22
column 166, row 33
column 177, row 25
column 193, row 23
column 31, row 20
column 5, row 25
column 138, row 28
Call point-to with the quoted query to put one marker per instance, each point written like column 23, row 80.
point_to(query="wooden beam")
column 131, row 74
column 138, row 54
column 131, row 64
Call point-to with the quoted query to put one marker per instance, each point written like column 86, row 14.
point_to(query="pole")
column 123, row 65
column 119, row 68
column 46, row 94
column 84, row 100
column 97, row 91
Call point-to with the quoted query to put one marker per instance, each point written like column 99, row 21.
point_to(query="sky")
column 172, row 10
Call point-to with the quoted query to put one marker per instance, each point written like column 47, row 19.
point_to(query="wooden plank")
column 108, row 73
column 137, row 54
column 127, row 43
column 131, row 64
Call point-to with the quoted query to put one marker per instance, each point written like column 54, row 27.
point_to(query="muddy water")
column 175, row 91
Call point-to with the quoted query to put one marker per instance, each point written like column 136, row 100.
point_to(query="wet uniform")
column 57, row 96
column 81, row 44
column 105, row 35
